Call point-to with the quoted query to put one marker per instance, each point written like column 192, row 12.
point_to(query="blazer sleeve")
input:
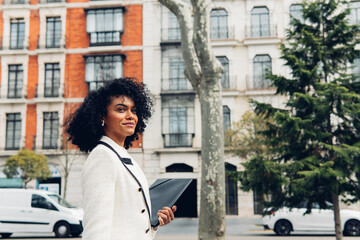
column 153, row 232
column 98, row 184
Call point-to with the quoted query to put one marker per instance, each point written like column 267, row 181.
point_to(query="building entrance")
column 231, row 191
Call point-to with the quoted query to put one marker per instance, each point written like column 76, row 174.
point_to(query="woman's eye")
column 133, row 110
column 120, row 109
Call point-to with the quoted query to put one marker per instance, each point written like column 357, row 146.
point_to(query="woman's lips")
column 129, row 124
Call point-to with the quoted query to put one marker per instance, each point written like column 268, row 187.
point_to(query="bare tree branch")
column 183, row 11
column 201, row 39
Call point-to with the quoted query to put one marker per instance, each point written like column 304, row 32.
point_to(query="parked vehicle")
column 286, row 220
column 30, row 211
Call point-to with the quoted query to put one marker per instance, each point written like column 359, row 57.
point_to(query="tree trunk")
column 338, row 230
column 204, row 73
column 65, row 184
column 212, row 203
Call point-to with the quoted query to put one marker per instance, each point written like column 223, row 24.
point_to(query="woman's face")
column 121, row 119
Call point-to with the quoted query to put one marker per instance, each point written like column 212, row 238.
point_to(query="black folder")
column 165, row 193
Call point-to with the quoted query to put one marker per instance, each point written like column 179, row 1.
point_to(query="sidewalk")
column 187, row 228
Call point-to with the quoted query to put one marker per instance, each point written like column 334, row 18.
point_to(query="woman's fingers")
column 166, row 215
column 161, row 222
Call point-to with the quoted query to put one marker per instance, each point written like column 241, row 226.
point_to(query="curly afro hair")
column 84, row 126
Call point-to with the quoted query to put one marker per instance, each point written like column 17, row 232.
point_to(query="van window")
column 60, row 201
column 38, row 201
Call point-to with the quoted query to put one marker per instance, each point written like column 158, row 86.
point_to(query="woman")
column 115, row 191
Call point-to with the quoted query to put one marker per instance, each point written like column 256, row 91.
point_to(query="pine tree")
column 316, row 136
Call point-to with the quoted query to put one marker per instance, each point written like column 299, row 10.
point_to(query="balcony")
column 15, row 2
column 105, row 38
column 257, row 82
column 178, row 139
column 55, row 45
column 170, row 35
column 230, row 83
column 175, row 84
column 15, row 46
column 17, row 96
column 49, row 94
column 222, row 33
column 262, row 31
column 51, row 1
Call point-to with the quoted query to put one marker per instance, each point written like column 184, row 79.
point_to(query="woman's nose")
column 130, row 114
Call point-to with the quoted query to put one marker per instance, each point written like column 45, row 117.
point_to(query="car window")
column 38, row 201
column 60, row 201
column 315, row 205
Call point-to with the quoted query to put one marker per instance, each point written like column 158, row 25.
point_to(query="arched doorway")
column 231, row 191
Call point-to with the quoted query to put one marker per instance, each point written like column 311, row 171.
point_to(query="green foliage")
column 30, row 164
column 315, row 138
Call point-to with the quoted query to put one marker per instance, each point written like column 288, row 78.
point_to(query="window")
column 17, row 33
column 174, row 29
column 296, row 11
column 102, row 68
column 262, row 64
column 38, row 201
column 177, row 80
column 225, row 81
column 13, row 131
column 52, row 80
column 15, row 81
column 53, row 32
column 218, row 24
column 50, row 130
column 104, row 26
column 355, row 70
column 226, row 118
column 260, row 23
column 231, row 190
column 355, row 13
column 178, row 120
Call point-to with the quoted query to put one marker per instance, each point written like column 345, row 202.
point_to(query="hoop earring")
column 103, row 123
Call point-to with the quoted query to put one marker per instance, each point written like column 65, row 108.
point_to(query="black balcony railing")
column 259, row 81
column 261, row 31
column 105, row 38
column 178, row 139
column 51, row 1
column 14, row 2
column 170, row 34
column 93, row 85
column 175, row 84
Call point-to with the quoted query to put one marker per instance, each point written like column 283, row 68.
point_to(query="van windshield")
column 61, row 201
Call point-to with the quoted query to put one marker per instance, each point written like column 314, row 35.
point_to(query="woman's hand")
column 166, row 215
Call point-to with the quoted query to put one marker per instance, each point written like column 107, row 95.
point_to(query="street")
column 186, row 229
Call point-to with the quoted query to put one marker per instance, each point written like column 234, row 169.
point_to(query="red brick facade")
column 75, row 86
column 30, row 126
column 76, row 38
column 34, row 29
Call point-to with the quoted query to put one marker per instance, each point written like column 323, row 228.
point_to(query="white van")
column 30, row 211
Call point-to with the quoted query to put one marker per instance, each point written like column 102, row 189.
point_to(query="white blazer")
column 114, row 206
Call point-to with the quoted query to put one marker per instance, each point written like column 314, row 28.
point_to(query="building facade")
column 53, row 52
